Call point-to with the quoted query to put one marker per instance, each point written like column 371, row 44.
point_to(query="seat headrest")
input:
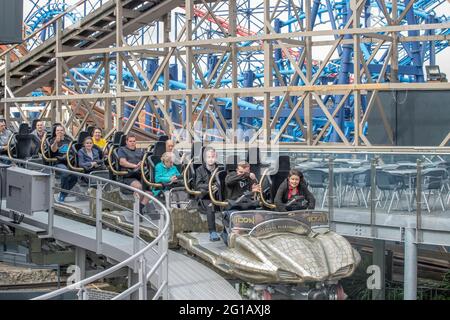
column 24, row 128
column 155, row 159
column 159, row 149
column 284, row 163
column 33, row 124
column 90, row 130
column 163, row 138
column 123, row 140
column 82, row 135
column 117, row 138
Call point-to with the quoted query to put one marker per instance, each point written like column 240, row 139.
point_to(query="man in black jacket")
column 202, row 176
column 237, row 183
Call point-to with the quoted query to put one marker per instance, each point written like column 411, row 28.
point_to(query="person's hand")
column 252, row 176
column 173, row 179
column 58, row 138
column 214, row 188
column 137, row 165
column 94, row 164
column 256, row 187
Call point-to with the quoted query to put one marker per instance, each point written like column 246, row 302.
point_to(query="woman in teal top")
column 165, row 171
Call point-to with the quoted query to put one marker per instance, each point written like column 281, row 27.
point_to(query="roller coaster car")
column 23, row 144
column 273, row 252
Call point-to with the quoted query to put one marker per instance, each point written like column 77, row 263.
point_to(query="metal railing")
column 137, row 261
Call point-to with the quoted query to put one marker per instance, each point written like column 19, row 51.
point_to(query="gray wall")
column 11, row 16
column 418, row 118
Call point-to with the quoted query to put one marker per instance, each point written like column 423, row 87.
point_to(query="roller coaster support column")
column 394, row 50
column 431, row 44
column 152, row 66
column 119, row 66
column 189, row 68
column 314, row 11
column 268, row 73
column 415, row 46
column 234, row 69
column 333, row 24
column 108, row 121
column 343, row 74
column 277, row 57
column 175, row 111
column 410, row 271
column 59, row 71
column 308, row 59
column 357, row 73
column 166, row 39
column 249, row 77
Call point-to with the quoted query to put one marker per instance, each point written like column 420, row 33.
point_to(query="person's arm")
column 232, row 179
column 54, row 145
column 279, row 198
column 4, row 144
column 308, row 196
column 128, row 165
column 124, row 162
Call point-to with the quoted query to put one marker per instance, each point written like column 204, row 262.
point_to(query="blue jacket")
column 163, row 175
column 84, row 161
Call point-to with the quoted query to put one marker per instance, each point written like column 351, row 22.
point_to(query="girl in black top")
column 294, row 186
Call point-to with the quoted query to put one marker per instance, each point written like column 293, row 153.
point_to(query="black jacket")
column 202, row 176
column 281, row 197
column 237, row 185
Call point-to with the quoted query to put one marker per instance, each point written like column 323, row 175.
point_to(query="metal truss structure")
column 303, row 72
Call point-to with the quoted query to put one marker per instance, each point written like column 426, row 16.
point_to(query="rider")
column 238, row 183
column 38, row 134
column 59, row 145
column 130, row 159
column 241, row 181
column 294, row 186
column 166, row 172
column 89, row 157
column 178, row 155
column 202, row 176
column 98, row 139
